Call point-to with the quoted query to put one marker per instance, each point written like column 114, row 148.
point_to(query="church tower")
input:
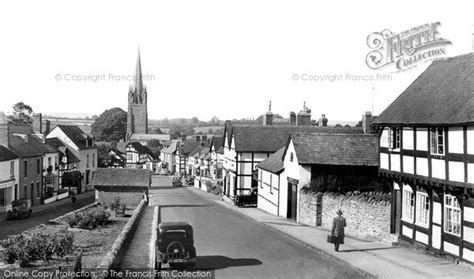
column 137, row 116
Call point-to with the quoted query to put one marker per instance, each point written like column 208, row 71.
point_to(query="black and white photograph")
column 236, row 139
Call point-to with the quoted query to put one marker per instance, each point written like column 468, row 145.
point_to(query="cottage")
column 168, row 156
column 83, row 147
column 182, row 156
column 67, row 162
column 139, row 156
column 128, row 185
column 427, row 150
column 216, row 149
column 9, row 173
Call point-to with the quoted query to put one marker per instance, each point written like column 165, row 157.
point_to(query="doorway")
column 292, row 201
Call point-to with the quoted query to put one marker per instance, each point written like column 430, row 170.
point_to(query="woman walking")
column 337, row 232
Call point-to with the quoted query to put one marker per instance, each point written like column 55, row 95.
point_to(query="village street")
column 237, row 247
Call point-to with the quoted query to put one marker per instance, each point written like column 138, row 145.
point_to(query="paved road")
column 43, row 214
column 237, row 247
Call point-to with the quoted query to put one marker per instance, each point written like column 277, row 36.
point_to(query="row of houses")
column 421, row 145
column 38, row 164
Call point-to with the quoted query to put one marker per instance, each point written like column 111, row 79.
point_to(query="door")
column 32, row 193
column 292, row 198
column 398, row 211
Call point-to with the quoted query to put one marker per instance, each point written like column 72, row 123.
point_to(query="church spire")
column 138, row 82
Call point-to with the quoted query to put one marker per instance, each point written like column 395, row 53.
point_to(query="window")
column 129, row 157
column 38, row 167
column 2, row 197
column 38, row 192
column 87, row 161
column 25, row 190
column 422, row 209
column 12, row 168
column 291, row 156
column 452, row 215
column 395, row 138
column 408, row 203
column 55, row 162
column 437, row 141
column 93, row 160
column 49, row 161
column 25, row 168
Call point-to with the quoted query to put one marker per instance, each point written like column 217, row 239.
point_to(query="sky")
column 212, row 58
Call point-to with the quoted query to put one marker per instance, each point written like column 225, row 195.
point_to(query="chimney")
column 4, row 132
column 292, row 118
column 367, row 120
column 268, row 116
column 303, row 118
column 47, row 127
column 323, row 121
column 37, row 123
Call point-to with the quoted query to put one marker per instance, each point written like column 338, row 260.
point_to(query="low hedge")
column 90, row 219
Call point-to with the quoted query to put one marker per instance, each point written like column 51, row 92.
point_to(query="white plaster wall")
column 421, row 237
column 245, row 156
column 384, row 161
column 470, row 140
column 456, row 171
column 408, row 138
column 421, row 139
column 470, row 173
column 468, row 254
column 292, row 169
column 395, row 162
column 245, row 168
column 437, row 213
column 384, row 138
column 451, row 248
column 406, row 231
column 436, row 237
column 260, row 156
column 422, row 166
column 408, row 164
column 438, row 168
column 305, row 175
column 456, row 140
column 268, row 200
column 468, row 234
column 469, row 214
column 283, row 192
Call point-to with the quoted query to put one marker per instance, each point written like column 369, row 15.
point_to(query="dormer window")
column 437, row 141
column 394, row 138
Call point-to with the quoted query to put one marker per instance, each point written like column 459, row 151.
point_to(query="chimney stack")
column 303, row 118
column 4, row 134
column 47, row 127
column 292, row 118
column 268, row 116
column 37, row 123
column 323, row 121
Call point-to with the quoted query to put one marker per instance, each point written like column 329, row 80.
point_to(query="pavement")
column 377, row 259
column 43, row 213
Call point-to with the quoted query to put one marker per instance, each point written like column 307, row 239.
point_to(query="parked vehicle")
column 175, row 245
column 177, row 181
column 249, row 199
column 190, row 180
column 164, row 172
column 20, row 209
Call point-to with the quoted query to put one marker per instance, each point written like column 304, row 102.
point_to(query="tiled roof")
column 189, row 146
column 271, row 138
column 172, row 148
column 147, row 137
column 121, row 177
column 443, row 94
column 274, row 163
column 141, row 148
column 196, row 151
column 336, row 149
column 77, row 136
column 28, row 146
column 217, row 142
column 6, row 154
column 63, row 150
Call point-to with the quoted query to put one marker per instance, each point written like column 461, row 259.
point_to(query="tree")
column 111, row 125
column 103, row 158
column 22, row 114
column 194, row 121
column 155, row 147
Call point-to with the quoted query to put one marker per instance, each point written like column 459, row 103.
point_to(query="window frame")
column 449, row 211
column 435, row 137
column 395, row 138
column 408, row 207
column 422, row 209
column 25, row 168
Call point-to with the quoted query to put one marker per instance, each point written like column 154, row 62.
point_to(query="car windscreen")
column 175, row 234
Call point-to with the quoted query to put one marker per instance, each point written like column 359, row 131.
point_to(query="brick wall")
column 365, row 220
column 131, row 199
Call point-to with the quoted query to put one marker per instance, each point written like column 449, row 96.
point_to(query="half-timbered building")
column 427, row 150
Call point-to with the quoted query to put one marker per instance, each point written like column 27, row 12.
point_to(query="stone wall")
column 367, row 220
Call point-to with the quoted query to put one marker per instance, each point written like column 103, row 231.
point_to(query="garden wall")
column 367, row 218
column 131, row 199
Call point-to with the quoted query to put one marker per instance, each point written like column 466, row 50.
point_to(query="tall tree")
column 111, row 125
column 21, row 114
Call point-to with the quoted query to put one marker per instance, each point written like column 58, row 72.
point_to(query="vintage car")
column 247, row 199
column 177, row 181
column 175, row 245
column 20, row 209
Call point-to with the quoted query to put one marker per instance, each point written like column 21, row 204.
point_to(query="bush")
column 89, row 220
column 30, row 247
column 115, row 204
